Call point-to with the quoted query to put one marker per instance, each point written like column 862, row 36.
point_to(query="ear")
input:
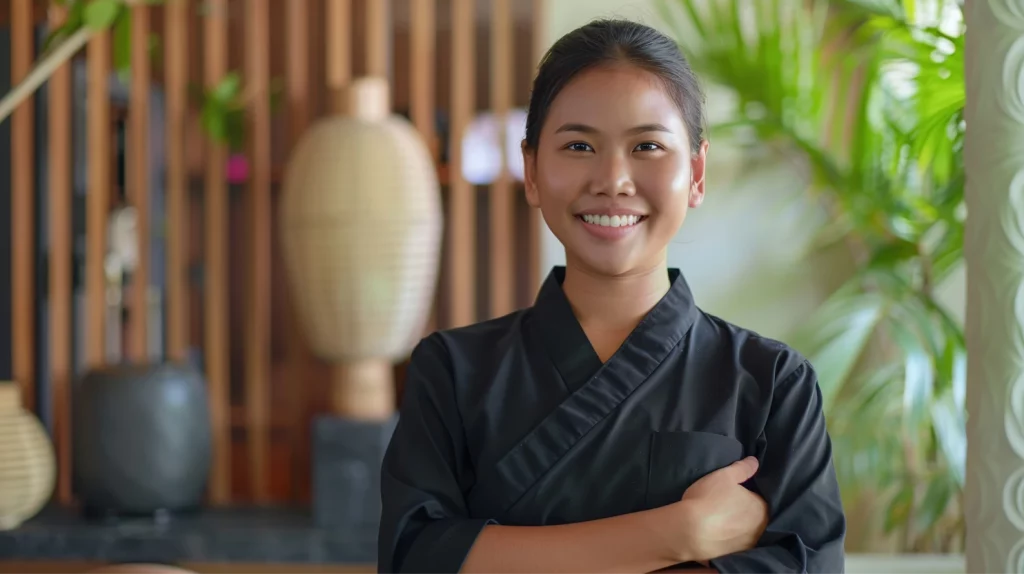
column 698, row 164
column 530, row 175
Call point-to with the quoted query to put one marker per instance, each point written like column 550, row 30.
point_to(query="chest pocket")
column 678, row 459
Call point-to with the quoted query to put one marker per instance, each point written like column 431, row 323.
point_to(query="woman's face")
column 613, row 173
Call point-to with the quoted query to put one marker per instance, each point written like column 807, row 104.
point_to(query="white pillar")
column 994, row 250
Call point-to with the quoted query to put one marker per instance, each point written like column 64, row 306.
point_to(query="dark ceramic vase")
column 141, row 442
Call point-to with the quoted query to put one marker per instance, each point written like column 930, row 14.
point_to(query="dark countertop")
column 249, row 535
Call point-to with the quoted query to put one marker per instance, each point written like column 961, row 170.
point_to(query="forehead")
column 612, row 95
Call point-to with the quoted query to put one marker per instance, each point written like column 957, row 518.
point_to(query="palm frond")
column 869, row 95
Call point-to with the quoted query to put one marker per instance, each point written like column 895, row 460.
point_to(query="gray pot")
column 141, row 439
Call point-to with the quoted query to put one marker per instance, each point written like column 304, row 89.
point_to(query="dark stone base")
column 346, row 456
column 156, row 518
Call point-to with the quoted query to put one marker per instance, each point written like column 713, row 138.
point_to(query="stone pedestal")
column 994, row 249
column 346, row 456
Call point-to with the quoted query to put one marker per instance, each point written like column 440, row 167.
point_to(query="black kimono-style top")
column 516, row 421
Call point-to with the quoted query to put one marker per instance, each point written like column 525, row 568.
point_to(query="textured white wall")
column 994, row 246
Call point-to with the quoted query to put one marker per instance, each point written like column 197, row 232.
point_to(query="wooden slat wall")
column 538, row 46
column 22, row 199
column 422, row 55
column 377, row 43
column 502, row 200
column 138, row 179
column 461, row 224
column 176, row 42
column 339, row 51
column 422, row 88
column 215, row 288
column 427, row 48
column 257, row 343
column 60, row 265
column 99, row 151
column 297, row 23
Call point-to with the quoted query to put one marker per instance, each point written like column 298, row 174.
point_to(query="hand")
column 722, row 516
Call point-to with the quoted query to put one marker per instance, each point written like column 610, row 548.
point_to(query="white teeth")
column 612, row 221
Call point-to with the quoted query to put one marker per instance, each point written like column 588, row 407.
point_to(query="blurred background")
column 227, row 222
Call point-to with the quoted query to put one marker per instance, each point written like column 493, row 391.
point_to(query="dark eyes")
column 584, row 147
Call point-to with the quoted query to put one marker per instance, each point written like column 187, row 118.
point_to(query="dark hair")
column 609, row 41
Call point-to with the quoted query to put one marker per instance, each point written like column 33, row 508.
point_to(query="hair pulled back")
column 616, row 41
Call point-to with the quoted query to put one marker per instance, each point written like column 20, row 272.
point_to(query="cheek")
column 559, row 180
column 667, row 184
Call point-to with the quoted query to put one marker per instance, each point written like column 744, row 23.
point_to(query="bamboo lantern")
column 361, row 226
column 28, row 469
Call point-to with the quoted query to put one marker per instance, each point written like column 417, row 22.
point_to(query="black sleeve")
column 424, row 524
column 807, row 527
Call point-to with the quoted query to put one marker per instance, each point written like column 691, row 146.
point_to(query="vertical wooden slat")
column 297, row 84
column 540, row 46
column 98, row 196
column 215, row 306
column 138, row 178
column 339, row 51
column 422, row 44
column 257, row 332
column 377, row 38
column 60, row 264
column 176, row 22
column 22, row 202
column 422, row 53
column 462, row 200
column 502, row 203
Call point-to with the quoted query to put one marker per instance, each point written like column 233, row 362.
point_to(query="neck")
column 614, row 303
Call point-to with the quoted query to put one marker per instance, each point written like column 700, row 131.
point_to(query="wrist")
column 676, row 527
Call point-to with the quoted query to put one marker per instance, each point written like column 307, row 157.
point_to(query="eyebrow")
column 584, row 128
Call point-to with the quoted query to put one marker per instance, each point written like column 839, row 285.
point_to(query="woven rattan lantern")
column 28, row 469
column 361, row 226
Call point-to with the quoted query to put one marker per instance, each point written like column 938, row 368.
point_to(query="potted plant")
column 868, row 97
column 222, row 106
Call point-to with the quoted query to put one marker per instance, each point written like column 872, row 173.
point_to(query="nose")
column 613, row 176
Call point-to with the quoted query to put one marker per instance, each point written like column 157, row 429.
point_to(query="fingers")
column 742, row 470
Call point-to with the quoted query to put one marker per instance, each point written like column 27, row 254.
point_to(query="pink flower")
column 237, row 169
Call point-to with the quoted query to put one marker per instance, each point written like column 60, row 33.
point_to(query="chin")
column 607, row 266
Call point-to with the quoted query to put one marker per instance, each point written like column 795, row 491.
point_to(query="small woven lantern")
column 28, row 468
column 361, row 226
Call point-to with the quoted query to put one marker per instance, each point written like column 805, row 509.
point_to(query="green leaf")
column 122, row 46
column 894, row 253
column 72, row 23
column 154, row 47
column 227, row 88
column 918, row 373
column 55, row 37
column 835, row 336
column 213, row 118
column 949, row 422
column 100, row 14
column 76, row 15
column 933, row 505
column 235, row 126
column 900, row 507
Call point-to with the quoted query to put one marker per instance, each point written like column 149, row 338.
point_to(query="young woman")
column 613, row 426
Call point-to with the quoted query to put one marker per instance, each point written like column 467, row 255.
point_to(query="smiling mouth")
column 612, row 220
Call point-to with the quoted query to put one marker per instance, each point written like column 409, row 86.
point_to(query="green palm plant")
column 868, row 96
